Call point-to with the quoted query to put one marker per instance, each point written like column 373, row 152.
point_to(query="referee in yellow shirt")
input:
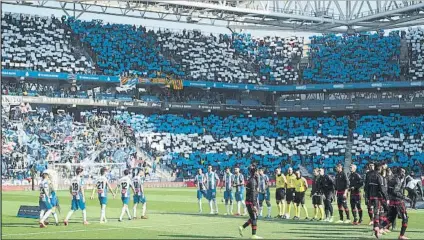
column 280, row 192
column 301, row 185
column 290, row 190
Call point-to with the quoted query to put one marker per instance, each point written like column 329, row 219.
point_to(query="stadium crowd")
column 33, row 139
column 75, row 46
column 190, row 141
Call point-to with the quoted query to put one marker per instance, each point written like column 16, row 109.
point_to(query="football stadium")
column 151, row 119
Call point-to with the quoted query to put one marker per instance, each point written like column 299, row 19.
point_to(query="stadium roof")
column 316, row 16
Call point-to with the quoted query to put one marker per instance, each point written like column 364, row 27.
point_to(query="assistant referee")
column 280, row 192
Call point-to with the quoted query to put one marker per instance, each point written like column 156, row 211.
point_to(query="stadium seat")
column 40, row 44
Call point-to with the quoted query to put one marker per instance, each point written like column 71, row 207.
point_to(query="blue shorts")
column 264, row 196
column 239, row 195
column 103, row 200
column 54, row 200
column 139, row 199
column 201, row 193
column 211, row 194
column 77, row 204
column 125, row 200
column 45, row 204
column 228, row 195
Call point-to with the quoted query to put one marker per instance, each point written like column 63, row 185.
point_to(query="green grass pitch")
column 173, row 214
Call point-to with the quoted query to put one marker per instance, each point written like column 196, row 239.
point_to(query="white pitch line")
column 105, row 229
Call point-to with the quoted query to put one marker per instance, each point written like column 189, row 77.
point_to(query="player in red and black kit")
column 376, row 194
column 397, row 202
column 342, row 186
column 356, row 183
column 252, row 202
column 384, row 210
column 366, row 197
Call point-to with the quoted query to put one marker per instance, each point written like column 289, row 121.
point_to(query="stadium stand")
column 396, row 139
column 415, row 37
column 68, row 45
column 122, row 49
column 41, row 137
column 40, row 44
column 190, row 142
column 186, row 142
column 354, row 58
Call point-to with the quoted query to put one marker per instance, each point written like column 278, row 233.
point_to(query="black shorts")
column 340, row 199
column 355, row 199
column 317, row 200
column 299, row 198
column 290, row 194
column 280, row 194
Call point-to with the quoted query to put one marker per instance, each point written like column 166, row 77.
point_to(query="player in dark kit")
column 252, row 202
column 370, row 168
column 376, row 194
column 342, row 186
column 327, row 186
column 396, row 202
column 316, row 195
column 356, row 183
column 384, row 210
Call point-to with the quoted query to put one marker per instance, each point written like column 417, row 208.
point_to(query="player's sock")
column 260, row 210
column 135, row 211
column 244, row 207
column 231, row 208
column 84, row 215
column 200, row 205
column 122, row 213
column 315, row 212
column 227, row 208
column 216, row 205
column 290, row 209
column 279, row 209
column 347, row 213
column 143, row 210
column 341, row 214
column 69, row 215
column 284, row 208
column 360, row 214
column 41, row 214
column 269, row 211
column 211, row 206
column 238, row 207
column 306, row 210
column 246, row 224
column 127, row 210
column 298, row 211
column 46, row 215
column 56, row 220
column 321, row 209
column 295, row 210
column 354, row 215
column 103, row 213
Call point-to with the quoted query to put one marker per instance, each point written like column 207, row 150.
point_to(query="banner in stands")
column 200, row 84
column 29, row 212
column 249, row 108
column 58, row 76
column 302, row 88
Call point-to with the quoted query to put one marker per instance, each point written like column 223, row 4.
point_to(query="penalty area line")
column 106, row 229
